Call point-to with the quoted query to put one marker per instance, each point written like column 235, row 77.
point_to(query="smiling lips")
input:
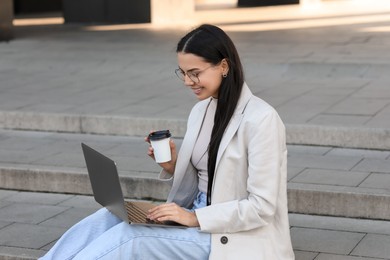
column 197, row 90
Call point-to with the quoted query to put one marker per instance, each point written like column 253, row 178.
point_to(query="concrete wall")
column 106, row 11
column 6, row 17
column 172, row 11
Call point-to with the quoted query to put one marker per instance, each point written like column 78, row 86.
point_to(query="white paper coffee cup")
column 160, row 143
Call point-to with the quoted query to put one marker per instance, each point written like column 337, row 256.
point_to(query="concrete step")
column 30, row 223
column 302, row 134
column 321, row 180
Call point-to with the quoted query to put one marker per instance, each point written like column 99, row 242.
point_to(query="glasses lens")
column 180, row 74
column 193, row 77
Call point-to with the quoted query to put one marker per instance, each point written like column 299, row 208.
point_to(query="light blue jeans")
column 104, row 236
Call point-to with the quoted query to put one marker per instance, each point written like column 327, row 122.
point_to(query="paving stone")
column 49, row 246
column 6, row 193
column 323, row 256
column 331, row 177
column 296, row 113
column 80, row 201
column 4, row 224
column 134, row 164
column 23, row 142
column 75, row 159
column 341, row 223
column 358, row 106
column 4, row 203
column 324, row 241
column 301, row 255
column 373, row 165
column 359, row 152
column 373, row 90
column 380, row 120
column 293, row 171
column 98, row 106
column 288, row 88
column 69, row 145
column 102, row 142
column 274, row 101
column 21, row 156
column 3, row 136
column 323, row 162
column 339, row 120
column 305, row 149
column 39, row 198
column 32, row 235
column 336, row 91
column 54, row 108
column 19, row 253
column 68, row 218
column 133, row 149
column 373, row 245
column 377, row 180
column 29, row 213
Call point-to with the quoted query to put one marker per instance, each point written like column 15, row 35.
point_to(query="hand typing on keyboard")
column 149, row 221
column 173, row 212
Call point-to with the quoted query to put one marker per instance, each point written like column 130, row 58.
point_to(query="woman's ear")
column 224, row 67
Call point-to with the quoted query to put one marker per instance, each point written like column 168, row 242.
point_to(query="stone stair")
column 323, row 180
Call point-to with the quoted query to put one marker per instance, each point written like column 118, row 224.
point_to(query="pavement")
column 324, row 68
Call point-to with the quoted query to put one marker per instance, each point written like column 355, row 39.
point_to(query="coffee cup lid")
column 158, row 135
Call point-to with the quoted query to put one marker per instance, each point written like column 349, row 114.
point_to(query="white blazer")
column 248, row 216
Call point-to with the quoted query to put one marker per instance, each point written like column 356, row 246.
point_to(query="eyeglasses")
column 194, row 76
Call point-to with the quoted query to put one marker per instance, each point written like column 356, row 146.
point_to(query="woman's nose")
column 188, row 81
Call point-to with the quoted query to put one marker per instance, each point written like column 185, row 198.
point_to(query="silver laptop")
column 107, row 191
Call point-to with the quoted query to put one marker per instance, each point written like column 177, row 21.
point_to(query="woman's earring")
column 224, row 75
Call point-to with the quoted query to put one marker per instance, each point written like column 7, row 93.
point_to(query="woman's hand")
column 173, row 212
column 167, row 166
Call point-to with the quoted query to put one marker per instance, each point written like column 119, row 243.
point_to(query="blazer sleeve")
column 266, row 153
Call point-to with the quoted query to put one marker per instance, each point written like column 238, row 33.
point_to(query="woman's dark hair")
column 213, row 45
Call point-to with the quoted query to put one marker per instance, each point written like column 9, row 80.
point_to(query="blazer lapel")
column 192, row 135
column 184, row 156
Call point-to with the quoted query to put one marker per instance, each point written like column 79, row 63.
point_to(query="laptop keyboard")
column 138, row 215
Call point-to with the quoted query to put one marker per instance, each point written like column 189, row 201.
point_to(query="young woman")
column 228, row 180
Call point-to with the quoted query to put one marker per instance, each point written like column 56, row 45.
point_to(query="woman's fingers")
column 173, row 212
column 147, row 137
column 162, row 208
column 168, row 211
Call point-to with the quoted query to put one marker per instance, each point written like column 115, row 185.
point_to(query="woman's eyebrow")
column 190, row 70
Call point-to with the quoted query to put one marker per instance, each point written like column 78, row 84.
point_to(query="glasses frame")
column 193, row 76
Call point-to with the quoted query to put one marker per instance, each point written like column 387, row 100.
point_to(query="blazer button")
column 224, row 240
